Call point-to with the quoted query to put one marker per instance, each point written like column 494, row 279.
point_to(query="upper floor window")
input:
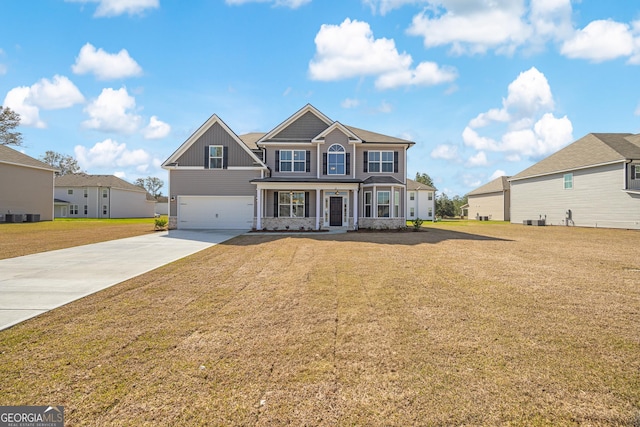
column 412, row 196
column 430, row 197
column 216, row 153
column 380, row 161
column 105, row 193
column 336, row 161
column 293, row 161
column 70, row 191
column 86, row 193
column 568, row 181
column 635, row 171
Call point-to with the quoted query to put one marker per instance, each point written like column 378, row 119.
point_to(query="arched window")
column 335, row 164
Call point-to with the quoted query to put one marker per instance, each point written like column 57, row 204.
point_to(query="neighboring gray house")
column 100, row 196
column 420, row 201
column 26, row 185
column 308, row 172
column 593, row 182
column 491, row 201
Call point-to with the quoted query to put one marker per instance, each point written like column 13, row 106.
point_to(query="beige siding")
column 215, row 135
column 26, row 190
column 493, row 205
column 211, row 183
column 596, row 200
column 130, row 204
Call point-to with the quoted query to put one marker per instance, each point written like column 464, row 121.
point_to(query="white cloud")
column 600, row 41
column 108, row 8
column 105, row 66
column 497, row 174
column 479, row 159
column 54, row 94
column 112, row 112
column 156, row 129
column 109, row 154
column 292, row 4
column 386, row 6
column 350, row 50
column 350, row 103
column 527, row 113
column 445, row 151
column 120, row 174
column 472, row 27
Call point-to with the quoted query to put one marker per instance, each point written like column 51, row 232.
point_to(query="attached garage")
column 215, row 212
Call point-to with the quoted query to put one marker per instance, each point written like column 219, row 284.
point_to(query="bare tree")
column 151, row 184
column 9, row 120
column 65, row 163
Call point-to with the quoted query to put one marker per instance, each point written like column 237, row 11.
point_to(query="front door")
column 335, row 211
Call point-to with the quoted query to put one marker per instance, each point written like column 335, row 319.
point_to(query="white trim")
column 199, row 132
column 245, row 168
column 351, row 137
column 30, row 166
column 563, row 171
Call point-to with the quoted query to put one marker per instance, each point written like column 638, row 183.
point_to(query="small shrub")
column 417, row 223
column 161, row 223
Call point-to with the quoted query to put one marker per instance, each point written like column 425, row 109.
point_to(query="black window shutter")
column 206, row 157
column 275, row 204
column 395, row 162
column 347, row 169
column 306, row 204
column 277, row 160
column 324, row 163
column 225, row 157
column 366, row 162
column 308, row 159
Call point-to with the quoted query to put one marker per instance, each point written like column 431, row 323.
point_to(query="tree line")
column 444, row 206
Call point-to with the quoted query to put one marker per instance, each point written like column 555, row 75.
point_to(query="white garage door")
column 215, row 212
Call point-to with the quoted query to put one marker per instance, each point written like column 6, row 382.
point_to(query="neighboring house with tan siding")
column 420, row 201
column 308, row 172
column 491, row 201
column 100, row 196
column 593, row 182
column 26, row 185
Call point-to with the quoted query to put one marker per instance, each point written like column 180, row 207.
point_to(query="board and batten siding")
column 215, row 135
column 210, row 182
column 493, row 205
column 596, row 200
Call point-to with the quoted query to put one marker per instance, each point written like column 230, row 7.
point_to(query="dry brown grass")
column 490, row 324
column 30, row 238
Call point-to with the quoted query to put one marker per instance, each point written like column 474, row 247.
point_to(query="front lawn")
column 17, row 239
column 474, row 325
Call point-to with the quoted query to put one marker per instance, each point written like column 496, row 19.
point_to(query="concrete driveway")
column 34, row 284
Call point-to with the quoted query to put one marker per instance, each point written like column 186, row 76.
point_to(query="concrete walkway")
column 34, row 284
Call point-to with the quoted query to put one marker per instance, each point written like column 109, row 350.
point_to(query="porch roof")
column 308, row 180
column 382, row 180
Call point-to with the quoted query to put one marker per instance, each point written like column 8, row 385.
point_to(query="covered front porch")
column 306, row 205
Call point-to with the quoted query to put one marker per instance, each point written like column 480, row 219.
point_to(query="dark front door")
column 335, row 211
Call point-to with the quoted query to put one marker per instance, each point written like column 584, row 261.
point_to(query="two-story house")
column 309, row 172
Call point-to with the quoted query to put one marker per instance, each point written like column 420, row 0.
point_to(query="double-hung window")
column 367, row 204
column 383, row 204
column 635, row 171
column 380, row 161
column 291, row 204
column 293, row 160
column 396, row 204
column 568, row 181
column 105, row 193
column 73, row 209
column 336, row 162
column 216, row 153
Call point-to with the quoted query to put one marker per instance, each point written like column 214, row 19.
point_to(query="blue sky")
column 485, row 88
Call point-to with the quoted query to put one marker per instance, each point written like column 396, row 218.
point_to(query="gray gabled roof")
column 498, row 185
column 250, row 139
column 85, row 180
column 373, row 138
column 416, row 186
column 590, row 150
column 14, row 157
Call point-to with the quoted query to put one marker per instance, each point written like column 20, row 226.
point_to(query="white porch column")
column 374, row 203
column 392, row 202
column 259, row 208
column 318, row 209
column 355, row 209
